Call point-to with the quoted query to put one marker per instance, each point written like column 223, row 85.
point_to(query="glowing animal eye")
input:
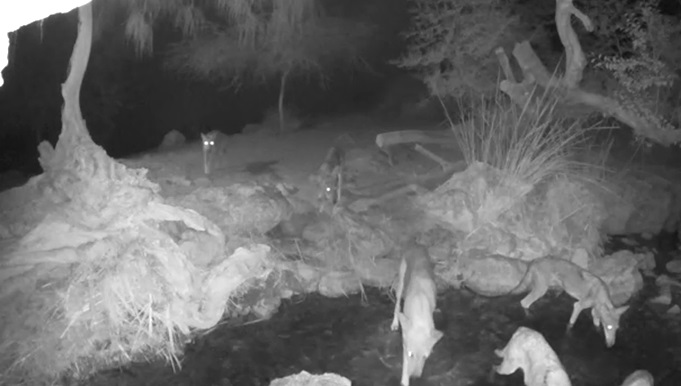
column 609, row 326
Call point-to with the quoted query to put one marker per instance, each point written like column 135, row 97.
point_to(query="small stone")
column 648, row 272
column 646, row 260
column 581, row 258
column 305, row 378
column 171, row 140
column 664, row 280
column 675, row 310
column 674, row 266
column 286, row 293
column 665, row 296
column 629, row 241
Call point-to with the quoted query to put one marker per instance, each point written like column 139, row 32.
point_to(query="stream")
column 351, row 336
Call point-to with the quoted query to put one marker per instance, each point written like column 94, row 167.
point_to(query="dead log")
column 444, row 164
column 385, row 141
column 567, row 88
column 392, row 138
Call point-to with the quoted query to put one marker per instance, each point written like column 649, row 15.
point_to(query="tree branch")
column 575, row 60
column 567, row 87
column 537, row 75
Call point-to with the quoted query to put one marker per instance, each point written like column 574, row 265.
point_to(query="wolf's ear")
column 436, row 336
column 621, row 310
column 405, row 323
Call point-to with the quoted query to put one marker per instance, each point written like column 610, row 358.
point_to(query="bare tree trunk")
column 77, row 165
column 74, row 133
column 282, row 91
column 74, row 125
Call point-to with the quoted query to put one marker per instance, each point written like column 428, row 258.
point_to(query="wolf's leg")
column 595, row 317
column 576, row 310
column 404, row 381
column 538, row 290
column 400, row 288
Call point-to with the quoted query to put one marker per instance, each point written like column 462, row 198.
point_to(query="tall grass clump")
column 532, row 142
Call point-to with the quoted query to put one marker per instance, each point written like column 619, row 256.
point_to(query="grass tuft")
column 531, row 143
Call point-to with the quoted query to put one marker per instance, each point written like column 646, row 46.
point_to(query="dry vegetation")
column 532, row 142
column 528, row 191
column 450, row 44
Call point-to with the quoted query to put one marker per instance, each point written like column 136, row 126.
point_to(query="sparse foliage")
column 314, row 48
column 607, row 17
column 645, row 49
column 451, row 44
column 530, row 143
column 144, row 13
column 282, row 41
column 249, row 18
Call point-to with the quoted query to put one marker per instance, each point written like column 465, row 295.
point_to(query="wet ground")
column 352, row 337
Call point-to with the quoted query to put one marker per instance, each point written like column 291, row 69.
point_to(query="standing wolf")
column 416, row 318
column 588, row 289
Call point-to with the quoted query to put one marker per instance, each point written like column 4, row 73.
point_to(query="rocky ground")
column 351, row 337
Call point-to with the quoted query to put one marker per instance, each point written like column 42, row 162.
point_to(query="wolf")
column 419, row 335
column 528, row 350
column 588, row 289
column 212, row 143
column 328, row 180
column 639, row 378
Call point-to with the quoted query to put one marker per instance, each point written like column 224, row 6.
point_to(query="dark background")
column 129, row 102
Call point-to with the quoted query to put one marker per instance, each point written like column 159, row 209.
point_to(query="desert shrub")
column 450, row 44
column 607, row 18
column 641, row 51
column 528, row 190
column 531, row 143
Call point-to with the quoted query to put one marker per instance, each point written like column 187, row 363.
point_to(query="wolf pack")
column 527, row 349
column 416, row 296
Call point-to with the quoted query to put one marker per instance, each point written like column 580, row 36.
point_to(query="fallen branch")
column 387, row 140
column 505, row 64
column 428, row 154
column 567, row 87
column 420, row 185
column 536, row 75
column 392, row 138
